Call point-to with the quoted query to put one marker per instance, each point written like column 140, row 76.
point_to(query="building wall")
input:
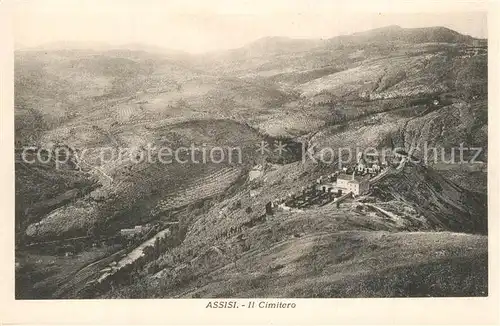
column 358, row 188
column 363, row 188
column 354, row 187
column 342, row 183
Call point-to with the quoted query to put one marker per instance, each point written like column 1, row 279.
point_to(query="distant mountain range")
column 393, row 33
column 101, row 46
column 396, row 33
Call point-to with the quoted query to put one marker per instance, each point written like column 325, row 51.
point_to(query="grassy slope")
column 335, row 264
column 357, row 264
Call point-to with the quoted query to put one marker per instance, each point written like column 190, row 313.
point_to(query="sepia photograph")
column 348, row 165
column 251, row 155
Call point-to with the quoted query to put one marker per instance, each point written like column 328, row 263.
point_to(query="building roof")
column 358, row 181
column 348, row 177
column 344, row 176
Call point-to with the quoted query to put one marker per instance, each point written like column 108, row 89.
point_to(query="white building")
column 130, row 233
column 342, row 180
column 358, row 187
column 351, row 183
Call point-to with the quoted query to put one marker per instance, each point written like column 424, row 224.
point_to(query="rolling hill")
column 421, row 231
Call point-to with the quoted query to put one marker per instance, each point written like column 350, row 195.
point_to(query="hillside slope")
column 349, row 251
column 416, row 233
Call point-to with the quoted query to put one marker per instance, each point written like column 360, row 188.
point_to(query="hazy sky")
column 198, row 26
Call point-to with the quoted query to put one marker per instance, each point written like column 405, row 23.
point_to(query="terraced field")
column 205, row 187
